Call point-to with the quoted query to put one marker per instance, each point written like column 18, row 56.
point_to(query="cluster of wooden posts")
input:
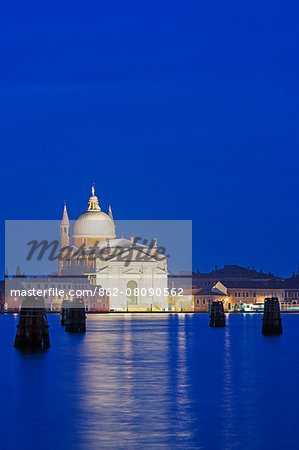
column 33, row 328
column 73, row 316
column 272, row 318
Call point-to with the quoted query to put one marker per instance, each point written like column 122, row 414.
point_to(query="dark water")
column 152, row 381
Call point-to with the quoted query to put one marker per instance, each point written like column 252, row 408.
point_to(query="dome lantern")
column 93, row 225
column 93, row 202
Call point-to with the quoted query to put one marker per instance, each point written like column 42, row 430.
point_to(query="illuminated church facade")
column 134, row 276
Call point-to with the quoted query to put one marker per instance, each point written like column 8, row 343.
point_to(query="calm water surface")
column 152, row 381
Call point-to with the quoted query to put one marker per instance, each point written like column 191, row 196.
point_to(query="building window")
column 236, row 294
column 254, row 294
column 197, row 301
column 239, row 294
column 246, row 294
column 203, row 301
column 84, row 241
column 132, row 298
column 64, row 230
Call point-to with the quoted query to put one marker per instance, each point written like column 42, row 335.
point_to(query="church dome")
column 94, row 223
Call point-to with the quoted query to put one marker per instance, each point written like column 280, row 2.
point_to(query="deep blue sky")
column 177, row 110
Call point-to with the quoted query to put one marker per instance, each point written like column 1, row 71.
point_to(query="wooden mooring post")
column 271, row 318
column 217, row 317
column 33, row 328
column 76, row 317
column 64, row 311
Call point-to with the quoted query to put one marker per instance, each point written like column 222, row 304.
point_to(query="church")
column 133, row 275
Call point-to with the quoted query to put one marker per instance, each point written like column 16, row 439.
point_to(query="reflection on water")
column 152, row 381
column 228, row 388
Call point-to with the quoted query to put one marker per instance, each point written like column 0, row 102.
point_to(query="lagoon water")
column 152, row 381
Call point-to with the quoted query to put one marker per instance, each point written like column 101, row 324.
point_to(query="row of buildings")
column 240, row 289
column 119, row 274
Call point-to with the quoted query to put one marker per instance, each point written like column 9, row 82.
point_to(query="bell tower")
column 64, row 234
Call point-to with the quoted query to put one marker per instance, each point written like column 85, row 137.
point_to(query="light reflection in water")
column 154, row 381
column 228, row 399
column 126, row 382
column 182, row 397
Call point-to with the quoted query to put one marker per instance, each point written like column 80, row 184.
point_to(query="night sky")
column 176, row 110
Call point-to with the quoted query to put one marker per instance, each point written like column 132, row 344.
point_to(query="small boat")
column 249, row 307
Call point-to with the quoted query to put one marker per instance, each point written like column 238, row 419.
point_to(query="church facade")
column 133, row 275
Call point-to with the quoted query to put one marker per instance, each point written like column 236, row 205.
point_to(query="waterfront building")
column 255, row 291
column 229, row 273
column 134, row 275
column 54, row 289
column 203, row 298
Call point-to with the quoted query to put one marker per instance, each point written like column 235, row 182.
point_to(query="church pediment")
column 135, row 255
